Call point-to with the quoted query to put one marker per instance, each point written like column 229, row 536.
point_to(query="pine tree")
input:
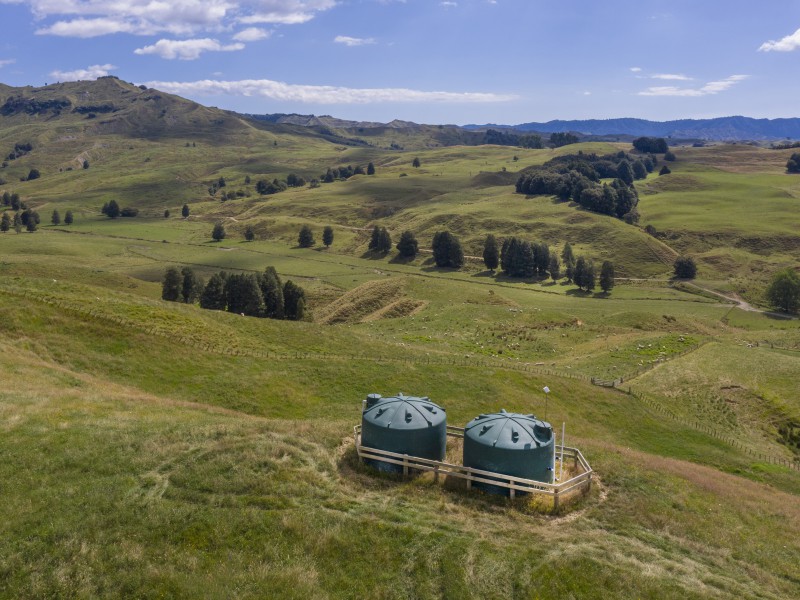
column 607, row 276
column 213, row 296
column 272, row 291
column 327, row 236
column 166, row 213
column 374, row 240
column 579, row 272
column 292, row 296
column 112, row 210
column 68, row 219
column 55, row 218
column 384, row 241
column 189, row 285
column 171, row 286
column 185, row 211
column 491, row 254
column 407, row 246
column 305, row 239
column 566, row 254
column 249, row 234
column 218, row 233
column 554, row 268
column 415, row 163
column 370, row 169
column 5, row 222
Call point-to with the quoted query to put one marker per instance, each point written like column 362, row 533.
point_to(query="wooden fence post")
column 405, row 465
column 555, row 500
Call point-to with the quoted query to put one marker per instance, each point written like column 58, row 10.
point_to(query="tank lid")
column 405, row 412
column 509, row 430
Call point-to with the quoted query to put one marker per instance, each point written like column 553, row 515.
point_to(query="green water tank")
column 512, row 444
column 405, row 425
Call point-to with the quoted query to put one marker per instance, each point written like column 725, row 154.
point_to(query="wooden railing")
column 513, row 484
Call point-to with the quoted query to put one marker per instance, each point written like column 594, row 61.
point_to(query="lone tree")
column 665, row 170
column 370, row 169
column 185, row 211
column 218, row 233
column 793, row 164
column 112, row 209
column 784, row 290
column 685, row 267
column 68, row 219
column 327, row 236
column 305, row 239
column 447, row 250
column 491, row 253
column 55, row 218
column 407, row 246
column 171, row 286
column 249, row 234
column 166, row 214
column 34, row 174
column 415, row 163
column 607, row 276
column 584, row 274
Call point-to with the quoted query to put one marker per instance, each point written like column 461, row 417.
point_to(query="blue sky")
column 431, row 61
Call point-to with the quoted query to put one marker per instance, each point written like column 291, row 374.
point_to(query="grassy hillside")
column 162, row 450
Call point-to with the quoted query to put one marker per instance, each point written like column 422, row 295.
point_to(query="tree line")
column 250, row 294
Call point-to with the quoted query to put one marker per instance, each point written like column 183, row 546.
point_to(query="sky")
column 428, row 61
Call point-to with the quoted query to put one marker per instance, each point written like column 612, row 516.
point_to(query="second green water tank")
column 511, row 444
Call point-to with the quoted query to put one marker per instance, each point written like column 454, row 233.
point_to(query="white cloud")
column 448, row 3
column 91, row 18
column 785, row 44
column 587, row 93
column 252, row 34
column 186, row 49
column 88, row 73
column 636, row 69
column 353, row 41
column 671, row 77
column 319, row 94
column 712, row 87
column 7, row 61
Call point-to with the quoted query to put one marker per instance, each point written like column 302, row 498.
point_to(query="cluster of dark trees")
column 254, row 295
column 20, row 149
column 343, row 173
column 508, row 138
column 12, row 200
column 112, row 210
column 577, row 177
column 520, row 258
column 651, row 145
column 380, row 241
column 793, row 164
column 447, row 250
column 563, row 139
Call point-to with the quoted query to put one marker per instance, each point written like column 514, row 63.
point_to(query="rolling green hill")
column 162, row 450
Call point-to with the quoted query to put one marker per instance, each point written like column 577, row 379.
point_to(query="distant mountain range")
column 719, row 129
